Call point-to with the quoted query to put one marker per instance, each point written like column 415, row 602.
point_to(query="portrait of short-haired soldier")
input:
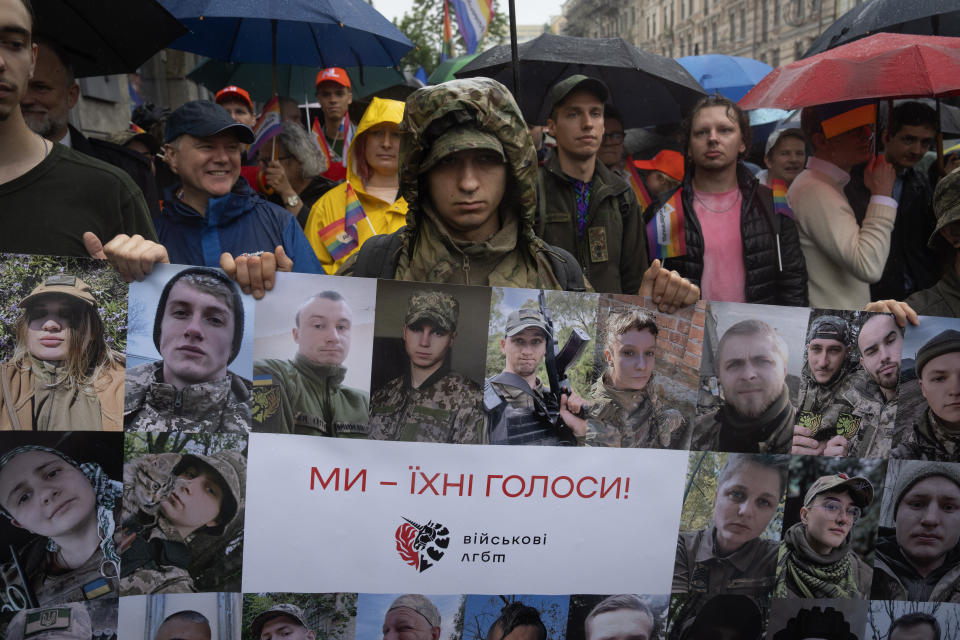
column 412, row 617
column 520, row 409
column 917, row 625
column 756, row 415
column 918, row 558
column 877, row 385
column 517, row 621
column 935, row 433
column 312, row 397
column 620, row 616
column 184, row 625
column 729, row 556
column 282, row 621
column 625, row 408
column 197, row 330
column 429, row 402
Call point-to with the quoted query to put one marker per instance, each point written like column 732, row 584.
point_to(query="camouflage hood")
column 478, row 102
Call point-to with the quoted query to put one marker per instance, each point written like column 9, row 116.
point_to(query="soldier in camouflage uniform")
column 429, row 402
column 306, row 395
column 282, row 620
column 935, row 434
column 519, row 409
column 625, row 407
column 873, row 389
column 61, row 564
column 155, row 548
column 823, row 415
column 756, row 415
column 197, row 330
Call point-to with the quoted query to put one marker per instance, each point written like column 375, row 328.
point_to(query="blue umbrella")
column 730, row 76
column 311, row 33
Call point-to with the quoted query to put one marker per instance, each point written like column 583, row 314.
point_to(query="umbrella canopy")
column 106, row 36
column 311, row 33
column 292, row 81
column 646, row 88
column 884, row 65
column 448, row 67
column 730, row 76
column 918, row 17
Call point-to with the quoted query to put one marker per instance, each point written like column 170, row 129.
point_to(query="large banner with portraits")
column 352, row 458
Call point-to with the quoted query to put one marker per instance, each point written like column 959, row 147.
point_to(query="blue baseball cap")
column 202, row 118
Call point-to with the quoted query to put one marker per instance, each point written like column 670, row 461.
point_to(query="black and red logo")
column 422, row 546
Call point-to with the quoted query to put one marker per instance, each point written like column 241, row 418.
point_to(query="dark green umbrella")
column 445, row 70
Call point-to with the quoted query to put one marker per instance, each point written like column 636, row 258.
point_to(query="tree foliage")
column 423, row 24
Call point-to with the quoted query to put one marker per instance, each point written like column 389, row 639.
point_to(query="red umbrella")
column 884, row 65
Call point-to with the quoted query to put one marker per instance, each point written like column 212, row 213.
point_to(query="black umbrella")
column 647, row 88
column 104, row 37
column 917, row 17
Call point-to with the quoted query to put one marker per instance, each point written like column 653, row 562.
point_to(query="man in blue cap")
column 843, row 258
column 211, row 216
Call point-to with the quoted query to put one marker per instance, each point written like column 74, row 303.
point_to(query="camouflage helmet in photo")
column 277, row 611
column 67, row 621
column 442, row 310
column 231, row 468
column 946, row 203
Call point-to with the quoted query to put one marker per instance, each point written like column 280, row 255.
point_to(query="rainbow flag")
column 665, row 233
column 446, row 50
column 473, row 17
column 780, row 198
column 321, row 139
column 636, row 183
column 340, row 237
column 268, row 125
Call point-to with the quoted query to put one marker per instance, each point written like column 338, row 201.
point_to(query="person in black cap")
column 212, row 216
column 584, row 207
column 935, row 434
column 197, row 330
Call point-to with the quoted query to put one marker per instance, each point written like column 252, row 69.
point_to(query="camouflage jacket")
column 632, row 418
column 313, row 400
column 428, row 252
column 525, row 416
column 873, row 415
column 750, row 570
column 819, row 405
column 928, row 440
column 83, row 584
column 942, row 299
column 723, row 430
column 447, row 407
column 221, row 406
column 160, row 574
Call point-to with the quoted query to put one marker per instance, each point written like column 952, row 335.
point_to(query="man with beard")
column 880, row 341
column 519, row 409
column 919, row 558
column 756, row 415
column 429, row 402
column 822, row 416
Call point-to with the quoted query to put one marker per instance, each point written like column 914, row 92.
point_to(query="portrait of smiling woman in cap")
column 62, row 374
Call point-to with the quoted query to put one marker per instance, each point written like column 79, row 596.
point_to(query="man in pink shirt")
column 739, row 245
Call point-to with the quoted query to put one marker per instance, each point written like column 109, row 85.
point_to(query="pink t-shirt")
column 724, row 275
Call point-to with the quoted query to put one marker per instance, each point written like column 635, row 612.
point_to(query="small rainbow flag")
column 636, row 183
column 473, row 17
column 780, row 198
column 268, row 125
column 340, row 237
column 665, row 232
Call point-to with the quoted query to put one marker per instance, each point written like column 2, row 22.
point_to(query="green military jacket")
column 311, row 399
column 158, row 576
column 928, row 440
column 447, row 407
column 220, row 406
column 750, row 570
column 942, row 299
column 613, row 248
column 633, row 418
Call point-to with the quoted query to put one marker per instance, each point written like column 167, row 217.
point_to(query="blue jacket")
column 239, row 222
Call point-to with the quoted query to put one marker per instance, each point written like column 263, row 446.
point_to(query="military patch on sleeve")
column 266, row 401
column 46, row 620
column 598, row 244
column 848, row 425
column 810, row 420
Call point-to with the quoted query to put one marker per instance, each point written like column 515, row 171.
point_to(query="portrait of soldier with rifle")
column 520, row 408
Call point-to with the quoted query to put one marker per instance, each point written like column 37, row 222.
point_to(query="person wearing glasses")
column 295, row 176
column 816, row 559
column 611, row 147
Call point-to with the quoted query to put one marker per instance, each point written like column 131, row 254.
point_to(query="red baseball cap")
column 667, row 161
column 333, row 74
column 234, row 91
